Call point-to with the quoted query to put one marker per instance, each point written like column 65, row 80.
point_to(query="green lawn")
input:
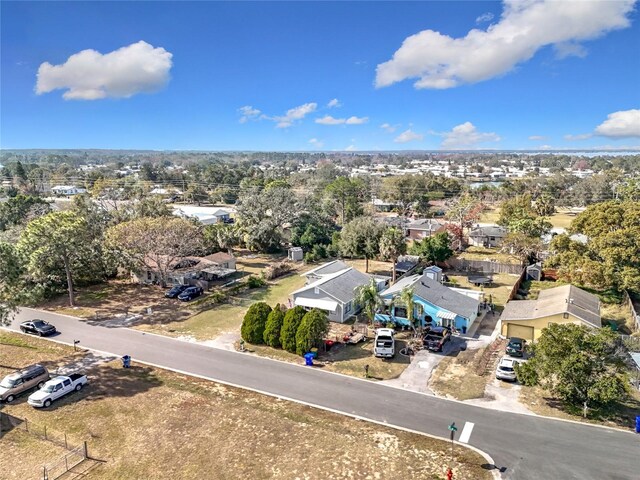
column 228, row 317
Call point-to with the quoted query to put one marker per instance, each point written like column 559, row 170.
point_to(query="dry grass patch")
column 488, row 255
column 499, row 290
column 158, row 424
column 346, row 359
column 457, row 377
column 24, row 454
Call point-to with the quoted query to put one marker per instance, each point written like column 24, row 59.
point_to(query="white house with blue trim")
column 435, row 304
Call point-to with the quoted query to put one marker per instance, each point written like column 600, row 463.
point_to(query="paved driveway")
column 527, row 447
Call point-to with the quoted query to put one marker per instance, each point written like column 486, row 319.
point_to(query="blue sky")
column 260, row 76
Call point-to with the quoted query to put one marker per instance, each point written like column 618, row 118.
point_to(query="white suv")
column 506, row 369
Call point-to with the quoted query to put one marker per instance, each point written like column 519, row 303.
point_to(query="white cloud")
column 350, row 148
column 569, row 49
column 440, row 61
column 329, row 120
column 408, row 136
column 91, row 75
column 293, row 114
column 387, row 127
column 622, row 124
column 537, row 138
column 335, row 103
column 316, row 143
column 356, row 120
column 581, row 136
column 248, row 113
column 466, row 135
column 485, row 17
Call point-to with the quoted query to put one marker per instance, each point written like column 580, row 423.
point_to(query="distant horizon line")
column 488, row 150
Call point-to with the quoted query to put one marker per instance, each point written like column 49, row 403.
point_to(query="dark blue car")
column 176, row 290
column 190, row 293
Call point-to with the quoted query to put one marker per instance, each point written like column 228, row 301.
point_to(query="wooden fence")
column 483, row 266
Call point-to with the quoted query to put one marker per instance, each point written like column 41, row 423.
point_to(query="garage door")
column 520, row 331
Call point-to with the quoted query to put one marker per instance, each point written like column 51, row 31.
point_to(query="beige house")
column 565, row 304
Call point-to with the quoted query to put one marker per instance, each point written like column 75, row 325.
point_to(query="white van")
column 385, row 344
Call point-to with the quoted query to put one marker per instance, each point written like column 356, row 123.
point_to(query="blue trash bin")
column 126, row 361
column 638, row 424
column 308, row 359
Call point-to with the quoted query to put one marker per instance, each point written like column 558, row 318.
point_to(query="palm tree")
column 367, row 297
column 406, row 299
column 392, row 245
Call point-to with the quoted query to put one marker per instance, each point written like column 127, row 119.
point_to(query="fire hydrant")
column 449, row 474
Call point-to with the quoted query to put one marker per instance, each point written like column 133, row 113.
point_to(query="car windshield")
column 49, row 387
column 515, row 345
column 39, row 323
column 7, row 382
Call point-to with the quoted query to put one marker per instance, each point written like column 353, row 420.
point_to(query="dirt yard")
column 499, row 290
column 150, row 423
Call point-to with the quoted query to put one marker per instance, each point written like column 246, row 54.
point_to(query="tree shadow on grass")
column 110, row 382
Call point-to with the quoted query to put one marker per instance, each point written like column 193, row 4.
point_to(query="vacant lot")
column 488, row 255
column 457, row 376
column 561, row 219
column 150, row 423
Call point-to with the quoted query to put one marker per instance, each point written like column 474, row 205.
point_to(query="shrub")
column 254, row 323
column 276, row 270
column 290, row 326
column 274, row 326
column 255, row 282
column 309, row 257
column 319, row 251
column 312, row 329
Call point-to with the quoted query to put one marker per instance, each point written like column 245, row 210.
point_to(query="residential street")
column 527, row 447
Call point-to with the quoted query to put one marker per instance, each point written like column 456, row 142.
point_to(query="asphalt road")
column 527, row 447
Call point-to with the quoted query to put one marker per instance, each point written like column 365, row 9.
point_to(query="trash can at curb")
column 308, row 359
column 126, row 361
column 638, row 424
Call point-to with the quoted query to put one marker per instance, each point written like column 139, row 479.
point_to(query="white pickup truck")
column 385, row 345
column 55, row 388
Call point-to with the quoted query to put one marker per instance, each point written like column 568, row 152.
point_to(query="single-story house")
column 435, row 304
column 565, row 304
column 331, row 287
column 383, row 206
column 67, row 190
column 487, row 236
column 205, row 215
column 423, row 228
column 200, row 271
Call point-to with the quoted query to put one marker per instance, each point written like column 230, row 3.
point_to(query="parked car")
column 38, row 327
column 56, row 388
column 21, row 381
column 435, row 338
column 190, row 293
column 176, row 290
column 506, row 369
column 515, row 347
column 385, row 345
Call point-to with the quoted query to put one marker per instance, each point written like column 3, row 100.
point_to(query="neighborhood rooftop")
column 563, row 299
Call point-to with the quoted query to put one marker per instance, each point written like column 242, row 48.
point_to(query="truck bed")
column 75, row 376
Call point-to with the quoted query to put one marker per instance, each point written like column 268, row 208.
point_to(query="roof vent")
column 571, row 301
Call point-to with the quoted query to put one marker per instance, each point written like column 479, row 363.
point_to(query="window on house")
column 400, row 312
column 347, row 307
column 565, row 315
column 492, row 239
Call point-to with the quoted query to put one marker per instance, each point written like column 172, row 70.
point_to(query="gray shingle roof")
column 329, row 267
column 428, row 224
column 434, row 292
column 342, row 287
column 563, row 299
column 488, row 231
